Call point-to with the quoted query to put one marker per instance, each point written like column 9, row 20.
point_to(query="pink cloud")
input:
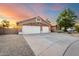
column 57, row 7
column 19, row 12
column 38, row 9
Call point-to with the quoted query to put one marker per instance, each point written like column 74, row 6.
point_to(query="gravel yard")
column 14, row 45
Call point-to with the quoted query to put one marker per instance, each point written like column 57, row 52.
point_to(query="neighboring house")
column 35, row 25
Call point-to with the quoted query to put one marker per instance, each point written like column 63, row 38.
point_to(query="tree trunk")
column 65, row 29
column 60, row 27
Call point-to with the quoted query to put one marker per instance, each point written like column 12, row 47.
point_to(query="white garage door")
column 45, row 29
column 30, row 29
column 34, row 29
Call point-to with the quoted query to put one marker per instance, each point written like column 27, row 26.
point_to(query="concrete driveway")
column 14, row 45
column 52, row 44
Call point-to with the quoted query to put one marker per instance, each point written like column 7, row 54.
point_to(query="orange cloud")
column 21, row 12
column 14, row 11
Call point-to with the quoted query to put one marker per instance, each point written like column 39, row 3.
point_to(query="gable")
column 36, row 21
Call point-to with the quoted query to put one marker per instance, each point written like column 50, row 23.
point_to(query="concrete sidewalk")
column 51, row 44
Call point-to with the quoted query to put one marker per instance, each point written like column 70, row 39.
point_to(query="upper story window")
column 38, row 20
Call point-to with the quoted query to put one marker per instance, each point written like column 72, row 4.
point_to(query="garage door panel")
column 30, row 29
column 45, row 29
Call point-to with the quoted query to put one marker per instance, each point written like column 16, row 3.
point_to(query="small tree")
column 66, row 19
column 5, row 23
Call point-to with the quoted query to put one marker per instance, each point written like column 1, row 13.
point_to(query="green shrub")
column 77, row 28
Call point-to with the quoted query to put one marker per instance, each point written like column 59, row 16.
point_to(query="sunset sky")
column 17, row 12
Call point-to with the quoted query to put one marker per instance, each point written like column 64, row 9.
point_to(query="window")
column 38, row 20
